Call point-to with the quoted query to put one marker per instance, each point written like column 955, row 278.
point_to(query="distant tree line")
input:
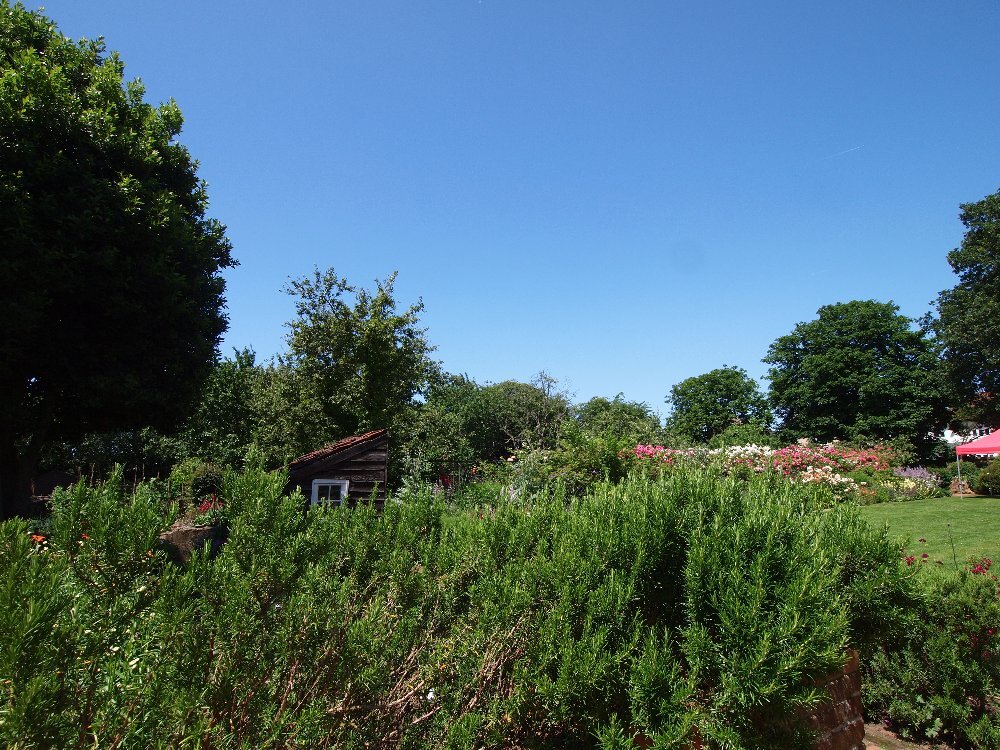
column 861, row 371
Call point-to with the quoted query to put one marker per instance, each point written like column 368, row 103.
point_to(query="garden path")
column 877, row 737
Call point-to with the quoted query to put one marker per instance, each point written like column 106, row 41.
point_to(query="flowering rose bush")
column 841, row 485
column 826, row 465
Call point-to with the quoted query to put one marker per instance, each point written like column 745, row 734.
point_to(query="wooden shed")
column 344, row 472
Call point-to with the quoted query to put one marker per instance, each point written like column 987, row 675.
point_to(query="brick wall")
column 838, row 721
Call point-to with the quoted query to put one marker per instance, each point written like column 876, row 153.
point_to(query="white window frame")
column 344, row 485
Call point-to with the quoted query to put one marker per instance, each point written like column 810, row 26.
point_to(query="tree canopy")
column 461, row 423
column 222, row 424
column 706, row 405
column 354, row 363
column 968, row 323
column 632, row 421
column 110, row 290
column 858, row 371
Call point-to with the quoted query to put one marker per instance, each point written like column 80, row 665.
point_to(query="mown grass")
column 971, row 524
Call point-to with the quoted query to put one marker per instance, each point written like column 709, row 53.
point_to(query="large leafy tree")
column 512, row 416
column 437, row 436
column 221, row 426
column 859, row 370
column 705, row 405
column 629, row 421
column 354, row 362
column 111, row 300
column 968, row 323
column 462, row 423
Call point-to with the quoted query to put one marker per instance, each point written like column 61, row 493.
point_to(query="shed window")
column 329, row 491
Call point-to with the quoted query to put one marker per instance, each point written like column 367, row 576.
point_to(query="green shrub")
column 33, row 647
column 934, row 678
column 945, row 473
column 949, row 472
column 194, row 480
column 537, row 620
column 970, row 473
column 750, row 433
column 988, row 480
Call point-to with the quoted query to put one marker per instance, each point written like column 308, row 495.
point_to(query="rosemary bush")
column 650, row 607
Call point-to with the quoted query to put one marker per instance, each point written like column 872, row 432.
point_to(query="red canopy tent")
column 987, row 445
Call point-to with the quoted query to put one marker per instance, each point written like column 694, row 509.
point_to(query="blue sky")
column 623, row 194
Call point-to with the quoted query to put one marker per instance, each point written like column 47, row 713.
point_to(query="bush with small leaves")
column 695, row 602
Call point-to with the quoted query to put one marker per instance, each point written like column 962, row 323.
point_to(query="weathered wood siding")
column 365, row 466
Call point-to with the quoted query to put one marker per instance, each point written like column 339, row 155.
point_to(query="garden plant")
column 657, row 608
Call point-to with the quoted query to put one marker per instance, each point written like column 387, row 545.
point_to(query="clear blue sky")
column 623, row 194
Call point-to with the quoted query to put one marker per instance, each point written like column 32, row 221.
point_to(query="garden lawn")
column 973, row 523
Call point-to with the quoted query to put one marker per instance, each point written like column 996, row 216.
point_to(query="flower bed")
column 864, row 474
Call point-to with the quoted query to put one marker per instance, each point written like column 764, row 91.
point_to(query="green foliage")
column 227, row 415
column 72, row 608
column 646, row 607
column 988, row 480
column 194, row 480
column 968, row 313
column 223, row 425
column 110, row 285
column 462, row 424
column 439, row 435
column 744, row 434
column 858, row 372
column 354, row 363
column 515, row 416
column 948, row 472
column 706, row 405
column 970, row 473
column 630, row 421
column 33, row 647
column 935, row 678
column 577, row 462
column 142, row 453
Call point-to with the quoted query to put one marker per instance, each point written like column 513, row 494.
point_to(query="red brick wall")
column 838, row 721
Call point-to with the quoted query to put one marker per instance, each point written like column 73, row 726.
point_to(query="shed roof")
column 335, row 448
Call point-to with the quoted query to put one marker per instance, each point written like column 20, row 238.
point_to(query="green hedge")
column 935, row 676
column 648, row 607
